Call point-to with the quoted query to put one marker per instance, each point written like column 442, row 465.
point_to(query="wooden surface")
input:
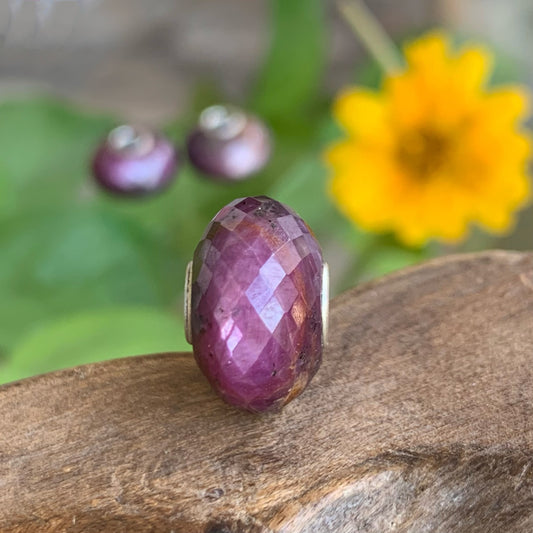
column 420, row 420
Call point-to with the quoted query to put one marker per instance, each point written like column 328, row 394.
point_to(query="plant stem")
column 373, row 36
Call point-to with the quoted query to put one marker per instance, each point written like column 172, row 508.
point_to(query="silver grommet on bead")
column 222, row 121
column 131, row 139
column 187, row 303
column 325, row 303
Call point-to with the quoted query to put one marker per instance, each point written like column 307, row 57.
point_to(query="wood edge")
column 100, row 365
column 498, row 255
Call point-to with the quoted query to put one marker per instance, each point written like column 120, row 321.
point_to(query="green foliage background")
column 85, row 276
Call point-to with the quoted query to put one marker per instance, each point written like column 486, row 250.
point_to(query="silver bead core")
column 131, row 140
column 187, row 303
column 324, row 301
column 222, row 122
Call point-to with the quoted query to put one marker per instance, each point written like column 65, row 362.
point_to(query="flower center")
column 423, row 153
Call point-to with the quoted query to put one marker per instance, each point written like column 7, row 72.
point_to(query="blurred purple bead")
column 229, row 144
column 135, row 161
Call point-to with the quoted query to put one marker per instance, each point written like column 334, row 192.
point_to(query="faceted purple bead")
column 256, row 318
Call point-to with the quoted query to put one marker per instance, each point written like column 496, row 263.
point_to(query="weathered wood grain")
column 420, row 420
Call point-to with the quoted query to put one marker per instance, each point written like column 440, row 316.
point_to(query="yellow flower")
column 433, row 151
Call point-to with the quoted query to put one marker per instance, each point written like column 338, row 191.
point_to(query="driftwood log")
column 420, row 420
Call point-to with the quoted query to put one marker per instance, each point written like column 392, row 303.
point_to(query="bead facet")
column 257, row 304
column 229, row 144
column 134, row 161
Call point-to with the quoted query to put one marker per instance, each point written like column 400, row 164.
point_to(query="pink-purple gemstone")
column 135, row 161
column 256, row 319
column 229, row 145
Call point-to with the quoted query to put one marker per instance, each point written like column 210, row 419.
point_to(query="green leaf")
column 377, row 254
column 389, row 259
column 76, row 249
column 8, row 203
column 290, row 79
column 94, row 336
column 73, row 259
column 369, row 74
column 18, row 313
column 46, row 150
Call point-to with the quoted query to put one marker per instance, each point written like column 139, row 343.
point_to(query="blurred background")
column 85, row 276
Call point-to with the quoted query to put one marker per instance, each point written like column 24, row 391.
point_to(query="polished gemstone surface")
column 256, row 318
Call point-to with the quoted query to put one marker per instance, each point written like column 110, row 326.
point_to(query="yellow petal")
column 340, row 155
column 408, row 101
column 428, row 52
column 495, row 220
column 412, row 233
column 435, row 211
column 363, row 191
column 360, row 112
column 506, row 105
column 472, row 68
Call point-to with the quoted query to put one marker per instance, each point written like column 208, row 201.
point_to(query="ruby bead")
column 256, row 314
column 134, row 161
column 229, row 144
